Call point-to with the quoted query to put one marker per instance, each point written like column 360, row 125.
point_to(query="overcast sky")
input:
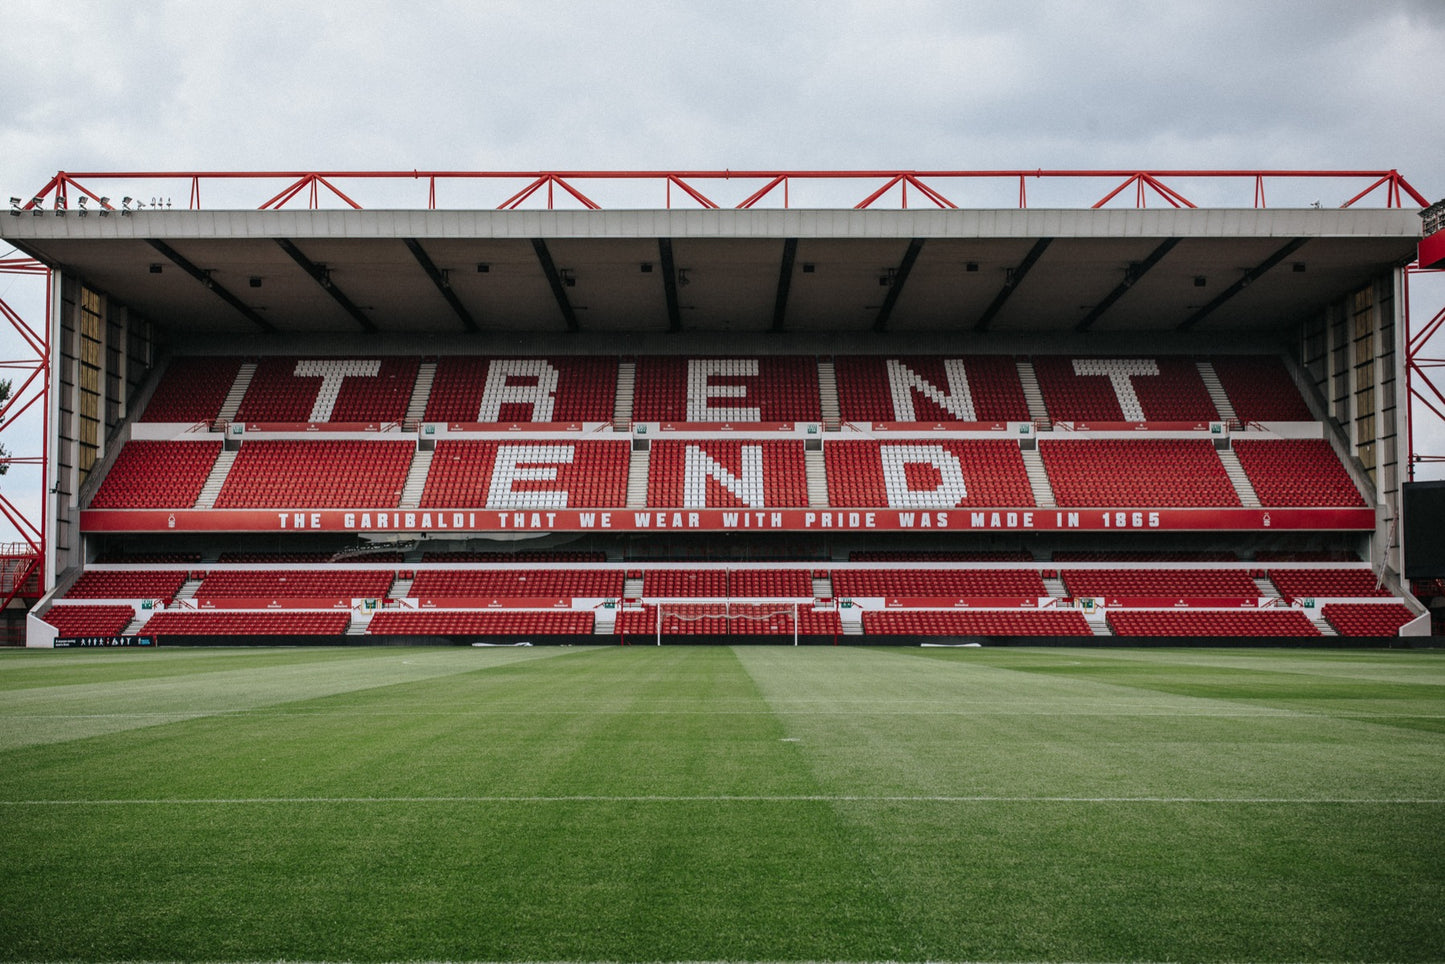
column 263, row 85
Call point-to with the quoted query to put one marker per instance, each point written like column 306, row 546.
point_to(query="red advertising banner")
column 968, row 602
column 265, row 602
column 493, row 602
column 443, row 521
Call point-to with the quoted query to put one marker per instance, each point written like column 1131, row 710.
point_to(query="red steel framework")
column 22, row 561
column 316, row 186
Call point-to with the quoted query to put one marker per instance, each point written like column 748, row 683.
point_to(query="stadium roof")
column 754, row 270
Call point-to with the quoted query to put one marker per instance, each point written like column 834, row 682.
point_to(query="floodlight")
column 15, row 207
column 37, row 206
column 105, row 207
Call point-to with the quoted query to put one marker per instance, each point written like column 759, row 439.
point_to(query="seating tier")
column 727, row 473
column 1156, row 389
column 316, row 474
column 517, row 583
column 192, row 390
column 157, row 475
column 976, row 388
column 768, row 388
column 575, row 388
column 1297, row 472
column 1260, row 389
column 1326, row 583
column 290, row 389
column 127, row 584
column 78, row 620
column 527, row 475
column 535, row 622
column 949, row 622
column 296, row 584
column 1367, row 619
column 1114, row 583
column 1137, row 472
column 926, row 473
column 961, row 583
column 1195, row 622
column 292, row 622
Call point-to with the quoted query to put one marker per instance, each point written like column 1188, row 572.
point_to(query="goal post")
column 740, row 617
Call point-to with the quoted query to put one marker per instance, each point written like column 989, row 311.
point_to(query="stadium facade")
column 333, row 422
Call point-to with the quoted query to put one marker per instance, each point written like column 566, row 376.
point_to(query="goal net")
column 726, row 619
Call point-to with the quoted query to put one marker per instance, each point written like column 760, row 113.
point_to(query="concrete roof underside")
column 914, row 274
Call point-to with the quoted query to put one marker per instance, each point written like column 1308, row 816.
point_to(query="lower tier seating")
column 527, row 475
column 1367, row 619
column 127, row 584
column 729, row 473
column 727, row 619
column 1326, row 583
column 950, row 622
column 296, row 584
column 960, row 583
column 1196, row 622
column 74, row 620
column 518, row 583
column 425, row 622
column 292, row 622
column 1114, row 583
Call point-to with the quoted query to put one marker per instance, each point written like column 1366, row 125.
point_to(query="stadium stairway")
column 188, row 589
column 1217, row 394
column 1317, row 617
column 632, row 587
column 1038, row 478
column 1266, row 588
column 216, row 479
column 1056, row 587
column 238, row 391
column 815, row 467
column 1237, row 477
column 626, row 389
column 822, row 587
column 637, row 479
column 426, row 374
column 1033, row 394
column 411, row 490
column 400, row 586
column 828, row 398
column 360, row 622
column 604, row 621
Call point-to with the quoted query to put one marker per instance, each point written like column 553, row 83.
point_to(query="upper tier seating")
column 1367, row 619
column 527, row 475
column 127, row 584
column 1144, row 555
column 296, row 584
column 1223, row 623
column 976, row 388
column 315, row 474
column 73, row 620
column 288, row 389
column 517, row 583
column 960, row 583
column 1297, row 472
column 767, row 388
column 532, row 622
column 1158, row 389
column 951, row 622
column 148, row 558
column 306, row 557
column 575, row 388
column 940, row 555
column 157, row 475
column 709, row 619
column 1260, row 389
column 926, row 473
column 727, row 473
column 1137, row 472
column 276, row 622
column 1326, row 583
column 1306, row 555
column 525, row 555
column 1116, row 583
column 192, row 390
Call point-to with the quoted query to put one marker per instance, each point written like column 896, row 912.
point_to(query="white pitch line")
column 723, row 798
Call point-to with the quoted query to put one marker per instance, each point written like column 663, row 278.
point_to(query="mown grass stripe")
column 723, row 798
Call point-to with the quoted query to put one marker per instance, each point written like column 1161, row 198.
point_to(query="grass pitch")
column 717, row 803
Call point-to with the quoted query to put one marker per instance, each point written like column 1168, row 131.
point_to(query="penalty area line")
column 717, row 798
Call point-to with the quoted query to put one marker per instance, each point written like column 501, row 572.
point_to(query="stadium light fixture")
column 104, row 206
column 83, row 211
column 255, row 281
column 568, row 277
column 1298, row 267
column 37, row 206
column 970, row 266
column 809, row 267
column 645, row 267
column 15, row 207
column 1200, row 281
column 157, row 268
column 483, row 267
